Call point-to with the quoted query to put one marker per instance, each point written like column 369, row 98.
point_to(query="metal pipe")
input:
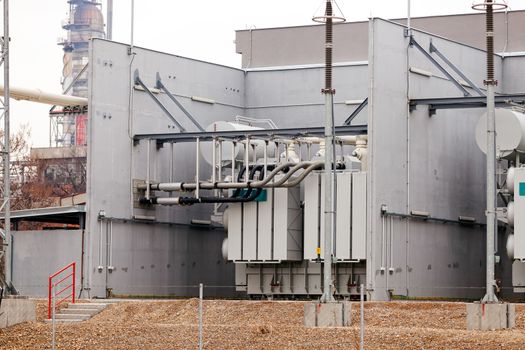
column 181, row 186
column 172, row 162
column 100, row 267
column 109, row 20
column 40, row 96
column 362, row 318
column 148, row 170
column 110, row 247
column 197, row 168
column 247, row 158
column 6, row 152
column 214, row 161
column 132, row 26
column 265, row 157
column 201, row 293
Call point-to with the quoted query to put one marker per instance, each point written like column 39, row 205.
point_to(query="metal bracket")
column 139, row 82
column 433, row 49
column 161, row 86
column 415, row 44
column 355, row 113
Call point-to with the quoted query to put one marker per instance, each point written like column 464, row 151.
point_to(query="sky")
column 200, row 29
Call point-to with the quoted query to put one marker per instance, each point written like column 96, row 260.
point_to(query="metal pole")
column 148, row 170
column 201, row 292
column 53, row 331
column 329, row 213
column 6, row 150
column 362, row 329
column 197, row 168
column 409, row 20
column 491, row 157
column 132, row 23
column 109, row 20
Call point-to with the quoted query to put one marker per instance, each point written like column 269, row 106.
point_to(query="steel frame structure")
column 5, row 207
column 466, row 102
column 238, row 134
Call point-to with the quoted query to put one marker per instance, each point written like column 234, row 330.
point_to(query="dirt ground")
column 263, row 325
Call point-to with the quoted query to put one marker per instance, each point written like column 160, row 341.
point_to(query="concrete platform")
column 336, row 314
column 15, row 310
column 490, row 316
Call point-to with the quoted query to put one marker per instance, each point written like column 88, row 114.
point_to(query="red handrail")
column 71, row 286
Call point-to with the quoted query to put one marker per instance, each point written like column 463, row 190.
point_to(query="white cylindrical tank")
column 510, row 132
column 258, row 145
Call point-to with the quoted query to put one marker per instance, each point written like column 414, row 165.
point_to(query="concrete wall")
column 39, row 254
column 17, row 310
column 423, row 163
column 304, row 45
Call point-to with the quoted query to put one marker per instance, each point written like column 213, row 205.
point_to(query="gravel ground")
column 263, row 325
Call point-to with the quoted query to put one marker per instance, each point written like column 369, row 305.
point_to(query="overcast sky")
column 201, row 29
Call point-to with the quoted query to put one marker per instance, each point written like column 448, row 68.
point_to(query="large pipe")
column 39, row 96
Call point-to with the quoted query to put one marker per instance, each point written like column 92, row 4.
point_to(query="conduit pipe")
column 39, row 96
column 265, row 183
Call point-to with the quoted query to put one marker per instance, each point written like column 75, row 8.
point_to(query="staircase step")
column 72, row 320
column 72, row 316
column 91, row 312
column 98, row 306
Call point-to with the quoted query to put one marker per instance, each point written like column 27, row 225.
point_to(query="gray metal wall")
column 292, row 97
column 304, row 45
column 423, row 163
column 513, row 81
column 161, row 259
column 151, row 259
column 39, row 254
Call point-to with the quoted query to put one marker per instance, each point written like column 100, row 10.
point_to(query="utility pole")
column 491, row 84
column 329, row 164
column 4, row 152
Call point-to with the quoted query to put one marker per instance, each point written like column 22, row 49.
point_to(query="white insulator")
column 510, row 130
column 255, row 144
column 510, row 246
column 510, row 180
column 224, row 249
column 510, row 214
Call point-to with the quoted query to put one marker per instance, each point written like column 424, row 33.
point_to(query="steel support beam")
column 435, row 50
column 161, row 86
column 264, row 133
column 139, row 82
column 415, row 44
column 355, row 113
column 467, row 102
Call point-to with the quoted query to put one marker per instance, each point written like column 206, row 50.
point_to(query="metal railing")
column 70, row 272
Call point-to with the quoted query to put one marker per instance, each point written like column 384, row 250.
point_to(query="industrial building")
column 202, row 173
